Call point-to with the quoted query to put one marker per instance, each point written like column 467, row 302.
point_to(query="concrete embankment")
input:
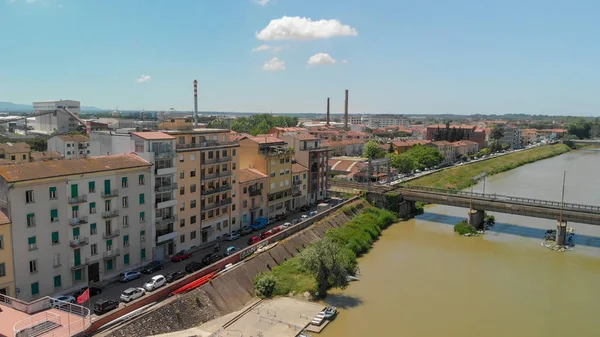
column 232, row 290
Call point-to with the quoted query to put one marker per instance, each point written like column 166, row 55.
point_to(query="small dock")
column 315, row 328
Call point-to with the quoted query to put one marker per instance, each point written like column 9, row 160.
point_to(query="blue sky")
column 526, row 56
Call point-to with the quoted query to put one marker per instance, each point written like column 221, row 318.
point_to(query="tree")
column 568, row 141
column 264, row 285
column 37, row 144
column 424, row 156
column 402, row 162
column 329, row 262
column 216, row 124
column 391, row 148
column 497, row 133
column 580, row 129
column 372, row 150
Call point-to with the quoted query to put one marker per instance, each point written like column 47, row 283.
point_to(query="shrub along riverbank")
column 460, row 177
column 327, row 262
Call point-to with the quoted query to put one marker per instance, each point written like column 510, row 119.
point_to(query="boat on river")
column 330, row 313
column 351, row 278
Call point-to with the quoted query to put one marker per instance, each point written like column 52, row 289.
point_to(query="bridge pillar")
column 476, row 218
column 406, row 209
column 561, row 233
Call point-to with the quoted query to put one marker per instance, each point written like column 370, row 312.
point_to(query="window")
column 75, row 212
column 57, row 281
column 13, row 157
column 142, row 236
column 54, row 238
column 182, row 207
column 92, row 208
column 193, row 219
column 109, row 264
column 182, row 190
column 125, row 240
column 24, row 156
column 272, row 186
column 233, row 166
column 94, row 249
column 52, row 192
column 245, row 203
column 2, row 270
column 181, row 222
column 141, row 180
column 124, row 182
column 181, row 158
column 245, row 189
column 192, row 235
column 272, row 174
column 68, row 145
column 29, row 196
column 108, row 245
column 125, row 202
column 78, row 275
column 233, row 221
column 75, row 233
column 233, row 152
column 1, row 242
column 224, row 153
column 107, row 206
column 35, row 288
column 92, row 186
column 192, row 156
column 30, row 220
column 193, row 188
column 193, row 204
column 142, row 217
column 32, row 243
column 33, row 266
column 233, row 207
column 143, row 253
column 182, row 238
column 181, row 175
column 126, row 259
column 125, row 220
column 93, row 229
column 142, row 199
column 53, row 215
column 193, row 173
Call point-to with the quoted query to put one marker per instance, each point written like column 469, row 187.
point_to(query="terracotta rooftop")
column 74, row 138
column 334, row 143
column 465, row 142
column 59, row 168
column 152, row 135
column 46, row 155
column 297, row 168
column 305, row 136
column 250, row 174
column 4, row 219
column 441, row 143
column 266, row 140
column 15, row 147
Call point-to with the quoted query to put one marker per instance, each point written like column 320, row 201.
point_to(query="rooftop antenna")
column 195, row 103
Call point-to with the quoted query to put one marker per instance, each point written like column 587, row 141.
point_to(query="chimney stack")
column 346, row 111
column 327, row 111
column 195, row 104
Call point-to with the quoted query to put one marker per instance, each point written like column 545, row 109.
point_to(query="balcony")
column 296, row 193
column 79, row 264
column 81, row 241
column 297, row 182
column 255, row 207
column 214, row 160
column 216, row 175
column 255, row 192
column 166, row 220
column 111, row 234
column 214, row 190
column 208, row 143
column 78, row 199
column 164, row 188
column 82, row 146
column 78, row 221
column 110, row 194
column 165, row 155
column 275, row 151
column 110, row 214
column 214, row 205
column 111, row 254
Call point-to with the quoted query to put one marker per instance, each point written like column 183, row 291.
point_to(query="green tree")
column 402, row 162
column 391, row 148
column 372, row 150
column 424, row 156
column 497, row 133
column 38, row 144
column 329, row 262
column 216, row 124
column 265, row 285
column 580, row 129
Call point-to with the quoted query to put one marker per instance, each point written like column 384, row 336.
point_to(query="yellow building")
column 300, row 183
column 15, row 152
column 273, row 157
column 177, row 123
column 207, row 165
column 7, row 277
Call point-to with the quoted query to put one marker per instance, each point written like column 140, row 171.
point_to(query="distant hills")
column 13, row 107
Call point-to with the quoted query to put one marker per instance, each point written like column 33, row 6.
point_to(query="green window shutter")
column 35, row 288
column 92, row 206
column 109, row 264
column 126, row 259
column 125, row 239
column 107, row 187
column 124, row 181
column 75, row 232
column 30, row 215
column 57, row 281
column 31, row 240
column 75, row 208
column 78, row 275
column 142, row 199
column 54, row 237
column 142, row 233
column 108, row 243
column 141, row 179
column 93, row 226
column 52, row 189
column 143, row 254
column 53, row 213
column 92, row 186
column 142, row 216
column 74, row 191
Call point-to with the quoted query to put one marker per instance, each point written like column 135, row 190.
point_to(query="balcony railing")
column 110, row 194
column 111, row 234
column 255, row 192
column 78, row 221
column 298, row 182
column 296, row 193
column 110, row 214
column 81, row 241
column 204, row 144
column 214, row 160
column 255, row 207
column 274, row 151
column 161, row 232
column 216, row 175
column 79, row 264
column 163, row 188
column 166, row 220
column 78, row 199
column 214, row 190
column 111, row 254
column 223, row 202
column 165, row 155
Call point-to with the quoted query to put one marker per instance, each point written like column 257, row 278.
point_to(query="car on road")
column 182, row 255
column 311, row 214
column 304, row 217
column 62, row 300
column 155, row 282
column 231, row 237
column 103, row 306
column 259, row 223
column 152, row 266
column 253, row 240
column 93, row 291
column 129, row 276
column 295, row 221
column 210, row 259
column 174, row 276
column 281, row 217
column 287, row 225
column 245, row 230
column 131, row 294
column 230, row 250
column 265, row 235
column 193, row 267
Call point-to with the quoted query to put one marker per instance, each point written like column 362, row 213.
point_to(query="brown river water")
column 420, row 279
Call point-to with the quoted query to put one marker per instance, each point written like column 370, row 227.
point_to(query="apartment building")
column 300, row 183
column 71, row 147
column 7, row 277
column 378, row 121
column 207, row 164
column 447, row 149
column 76, row 221
column 273, row 157
column 252, row 195
column 15, row 152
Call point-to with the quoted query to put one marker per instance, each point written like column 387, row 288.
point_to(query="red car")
column 265, row 235
column 182, row 255
column 253, row 240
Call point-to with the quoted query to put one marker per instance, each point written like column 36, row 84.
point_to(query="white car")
column 62, row 300
column 155, row 282
column 287, row 224
column 132, row 294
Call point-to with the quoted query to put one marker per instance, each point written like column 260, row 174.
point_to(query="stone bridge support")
column 561, row 233
column 476, row 218
column 407, row 209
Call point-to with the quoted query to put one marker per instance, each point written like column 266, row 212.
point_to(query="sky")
column 394, row 56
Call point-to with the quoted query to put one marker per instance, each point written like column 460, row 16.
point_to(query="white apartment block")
column 60, row 122
column 379, row 121
column 77, row 221
column 512, row 136
column 71, row 147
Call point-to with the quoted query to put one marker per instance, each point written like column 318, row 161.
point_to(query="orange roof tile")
column 266, row 140
column 250, row 174
column 296, row 168
column 305, row 136
column 153, row 135
column 4, row 219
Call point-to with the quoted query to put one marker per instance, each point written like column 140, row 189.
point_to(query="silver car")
column 132, row 294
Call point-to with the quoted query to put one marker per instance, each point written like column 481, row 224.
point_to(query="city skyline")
column 288, row 57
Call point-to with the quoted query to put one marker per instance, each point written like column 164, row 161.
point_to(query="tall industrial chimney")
column 327, row 111
column 195, row 104
column 346, row 111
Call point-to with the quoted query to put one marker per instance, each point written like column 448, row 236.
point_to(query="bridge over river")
column 478, row 203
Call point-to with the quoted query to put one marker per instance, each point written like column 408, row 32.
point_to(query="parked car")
column 152, row 266
column 132, row 294
column 93, row 291
column 182, row 255
column 253, row 240
column 272, row 221
column 245, row 230
column 311, row 214
column 230, row 250
column 129, row 276
column 174, row 276
column 231, row 237
column 259, row 224
column 210, row 259
column 287, row 225
column 62, row 300
column 265, row 235
column 193, row 267
column 280, row 217
column 295, row 221
column 155, row 282
column 103, row 306
column 327, row 200
column 304, row 217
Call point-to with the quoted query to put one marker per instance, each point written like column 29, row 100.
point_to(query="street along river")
column 421, row 279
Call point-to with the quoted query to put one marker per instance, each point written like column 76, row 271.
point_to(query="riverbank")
column 461, row 177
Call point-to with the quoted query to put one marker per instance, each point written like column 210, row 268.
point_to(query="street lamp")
column 475, row 179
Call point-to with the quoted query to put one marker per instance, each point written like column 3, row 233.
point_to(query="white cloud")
column 320, row 59
column 345, row 61
column 274, row 64
column 144, row 79
column 278, row 49
column 262, row 2
column 262, row 47
column 297, row 28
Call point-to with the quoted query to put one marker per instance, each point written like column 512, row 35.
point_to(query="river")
column 420, row 279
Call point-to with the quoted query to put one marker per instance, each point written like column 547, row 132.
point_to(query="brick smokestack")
column 327, row 111
column 346, row 111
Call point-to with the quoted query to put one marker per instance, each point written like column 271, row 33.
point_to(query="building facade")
column 300, row 186
column 512, row 136
column 252, row 195
column 15, row 152
column 378, row 121
column 81, row 221
column 447, row 149
column 71, row 147
column 7, row 277
column 58, row 121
